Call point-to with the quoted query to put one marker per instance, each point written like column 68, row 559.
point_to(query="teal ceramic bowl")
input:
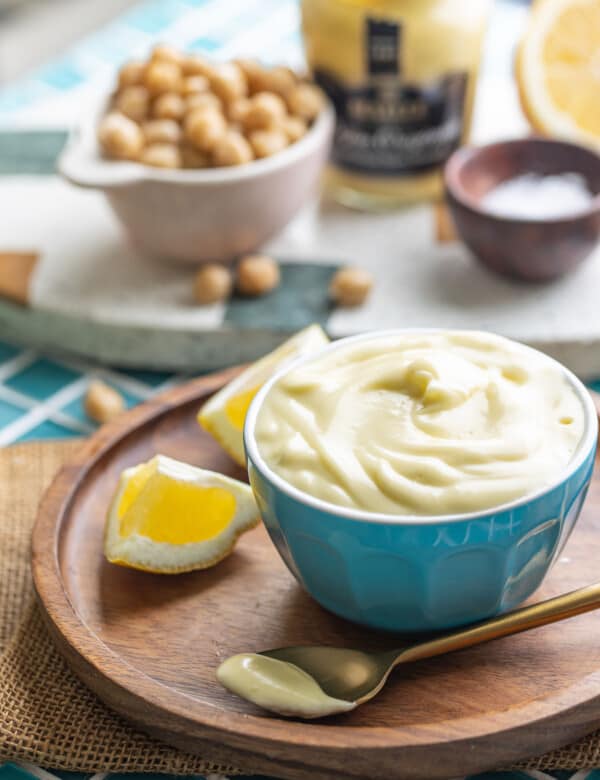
column 415, row 573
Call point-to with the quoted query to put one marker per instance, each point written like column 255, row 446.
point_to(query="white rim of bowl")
column 587, row 442
column 82, row 149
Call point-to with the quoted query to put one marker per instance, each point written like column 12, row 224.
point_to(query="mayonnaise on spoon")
column 278, row 686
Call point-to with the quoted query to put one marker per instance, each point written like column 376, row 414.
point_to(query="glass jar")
column 401, row 75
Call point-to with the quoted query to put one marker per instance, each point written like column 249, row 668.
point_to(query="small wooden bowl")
column 530, row 249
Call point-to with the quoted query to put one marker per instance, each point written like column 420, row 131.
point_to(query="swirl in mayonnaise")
column 421, row 423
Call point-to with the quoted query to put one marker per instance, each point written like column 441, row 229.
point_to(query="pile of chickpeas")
column 181, row 111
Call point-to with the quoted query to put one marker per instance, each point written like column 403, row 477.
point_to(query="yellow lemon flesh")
column 237, row 406
column 223, row 415
column 558, row 70
column 169, row 517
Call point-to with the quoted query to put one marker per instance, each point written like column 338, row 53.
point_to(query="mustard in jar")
column 401, row 75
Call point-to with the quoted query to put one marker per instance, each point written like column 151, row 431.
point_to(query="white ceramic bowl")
column 201, row 215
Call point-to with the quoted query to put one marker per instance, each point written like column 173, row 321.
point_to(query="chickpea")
column 350, row 286
column 102, row 403
column 162, row 76
column 166, row 53
column 228, row 82
column 255, row 73
column 204, row 128
column 267, row 142
column 265, row 110
column 196, row 65
column 131, row 74
column 232, row 149
column 169, row 105
column 293, row 127
column 162, row 131
column 280, row 80
column 162, row 156
column 192, row 157
column 120, row 137
column 202, row 100
column 257, row 275
column 134, row 102
column 236, row 110
column 190, row 85
column 305, row 100
column 212, row 284
column 248, row 66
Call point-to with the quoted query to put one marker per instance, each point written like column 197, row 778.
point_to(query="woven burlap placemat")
column 50, row 718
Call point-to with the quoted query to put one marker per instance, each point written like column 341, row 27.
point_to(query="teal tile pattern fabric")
column 9, row 413
column 49, row 430
column 30, row 151
column 15, row 772
column 41, row 397
column 41, row 378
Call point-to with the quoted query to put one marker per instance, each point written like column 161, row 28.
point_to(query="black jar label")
column 388, row 126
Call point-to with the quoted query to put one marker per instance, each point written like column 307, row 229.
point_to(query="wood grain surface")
column 149, row 645
column 16, row 271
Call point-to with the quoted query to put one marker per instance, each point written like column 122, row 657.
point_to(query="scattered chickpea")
column 191, row 85
column 162, row 76
column 120, row 137
column 257, row 275
column 265, row 110
column 102, row 403
column 166, row 53
column 162, row 131
column 169, row 105
column 228, row 82
column 293, row 127
column 212, row 284
column 192, row 157
column 196, row 65
column 161, row 156
column 267, row 142
column 204, row 127
column 232, row 149
column 134, row 102
column 350, row 286
column 131, row 74
column 202, row 100
column 305, row 100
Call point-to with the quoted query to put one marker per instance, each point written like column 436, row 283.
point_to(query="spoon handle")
column 568, row 605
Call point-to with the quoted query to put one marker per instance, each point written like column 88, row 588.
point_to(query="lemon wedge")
column 223, row 415
column 558, row 70
column 169, row 517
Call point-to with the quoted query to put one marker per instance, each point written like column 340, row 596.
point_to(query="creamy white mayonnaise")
column 428, row 423
column 278, row 686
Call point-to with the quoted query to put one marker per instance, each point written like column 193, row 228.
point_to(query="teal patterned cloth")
column 41, row 398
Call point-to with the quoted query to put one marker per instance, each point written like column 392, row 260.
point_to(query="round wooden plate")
column 149, row 645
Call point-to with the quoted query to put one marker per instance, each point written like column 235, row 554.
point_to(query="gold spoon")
column 312, row 682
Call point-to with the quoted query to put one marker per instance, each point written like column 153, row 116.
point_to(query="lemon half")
column 169, row 517
column 223, row 415
column 558, row 70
